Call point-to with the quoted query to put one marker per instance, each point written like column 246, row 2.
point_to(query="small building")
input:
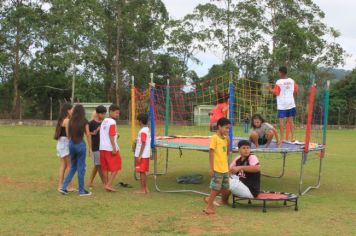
column 201, row 114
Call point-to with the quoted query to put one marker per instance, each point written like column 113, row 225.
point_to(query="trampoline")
column 173, row 108
column 285, row 200
column 201, row 143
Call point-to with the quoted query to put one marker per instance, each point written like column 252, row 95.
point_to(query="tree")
column 20, row 22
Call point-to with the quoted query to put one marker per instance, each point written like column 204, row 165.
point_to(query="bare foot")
column 71, row 190
column 206, row 200
column 209, row 211
column 222, row 203
column 140, row 192
column 147, row 190
column 90, row 186
column 110, row 189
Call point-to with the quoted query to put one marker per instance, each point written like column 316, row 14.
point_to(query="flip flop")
column 124, row 185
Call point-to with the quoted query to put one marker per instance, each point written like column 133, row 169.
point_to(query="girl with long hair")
column 61, row 135
column 78, row 126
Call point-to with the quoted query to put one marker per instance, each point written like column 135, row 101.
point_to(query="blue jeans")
column 77, row 157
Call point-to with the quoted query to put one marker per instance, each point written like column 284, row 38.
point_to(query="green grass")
column 30, row 204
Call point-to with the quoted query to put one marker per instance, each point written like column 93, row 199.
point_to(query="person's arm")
column 211, row 162
column 143, row 141
column 88, row 136
column 66, row 126
column 252, row 169
column 112, row 133
column 276, row 90
column 296, row 88
column 232, row 167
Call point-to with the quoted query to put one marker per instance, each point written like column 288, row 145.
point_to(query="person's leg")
column 62, row 169
column 104, row 168
column 291, row 125
column 143, row 183
column 92, row 176
column 68, row 164
column 81, row 166
column 210, row 204
column 269, row 136
column 254, row 138
column 111, row 179
column 73, row 166
column 242, row 190
column 281, row 127
column 225, row 192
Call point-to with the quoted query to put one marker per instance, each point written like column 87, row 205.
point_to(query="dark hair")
column 244, row 143
column 62, row 115
column 223, row 121
column 77, row 124
column 114, row 107
column 283, row 69
column 100, row 109
column 143, row 118
column 222, row 97
column 256, row 116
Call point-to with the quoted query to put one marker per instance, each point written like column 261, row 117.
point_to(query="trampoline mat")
column 202, row 143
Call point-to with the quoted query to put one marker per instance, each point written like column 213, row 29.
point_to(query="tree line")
column 52, row 48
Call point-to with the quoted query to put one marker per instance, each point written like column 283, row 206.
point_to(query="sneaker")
column 63, row 191
column 85, row 193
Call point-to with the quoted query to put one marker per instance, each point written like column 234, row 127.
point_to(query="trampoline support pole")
column 284, row 156
column 301, row 177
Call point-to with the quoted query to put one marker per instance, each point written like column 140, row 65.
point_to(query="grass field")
column 30, row 204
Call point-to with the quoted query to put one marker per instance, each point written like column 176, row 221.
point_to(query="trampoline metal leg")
column 156, row 175
column 284, row 156
column 264, row 209
column 301, row 177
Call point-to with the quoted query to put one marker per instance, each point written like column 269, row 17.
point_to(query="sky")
column 339, row 14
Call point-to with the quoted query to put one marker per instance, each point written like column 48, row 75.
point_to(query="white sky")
column 340, row 14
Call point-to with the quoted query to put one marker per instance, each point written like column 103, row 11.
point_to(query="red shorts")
column 143, row 165
column 110, row 162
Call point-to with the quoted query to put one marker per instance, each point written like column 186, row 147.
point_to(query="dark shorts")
column 219, row 181
column 287, row 113
column 262, row 140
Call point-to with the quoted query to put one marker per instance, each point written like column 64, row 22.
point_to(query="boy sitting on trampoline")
column 263, row 132
column 245, row 170
column 219, row 168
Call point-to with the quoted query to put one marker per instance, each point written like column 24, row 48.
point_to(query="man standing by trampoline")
column 285, row 89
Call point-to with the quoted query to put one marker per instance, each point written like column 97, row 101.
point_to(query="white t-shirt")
column 107, row 129
column 284, row 90
column 143, row 135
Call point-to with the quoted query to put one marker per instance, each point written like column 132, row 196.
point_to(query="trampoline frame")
column 303, row 162
column 292, row 199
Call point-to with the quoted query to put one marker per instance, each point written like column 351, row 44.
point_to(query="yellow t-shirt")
column 219, row 145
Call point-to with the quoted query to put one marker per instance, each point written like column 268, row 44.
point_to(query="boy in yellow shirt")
column 219, row 168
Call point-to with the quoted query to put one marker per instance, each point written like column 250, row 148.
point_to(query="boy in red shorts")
column 110, row 158
column 143, row 151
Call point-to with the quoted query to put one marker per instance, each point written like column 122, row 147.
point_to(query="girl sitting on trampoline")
column 263, row 132
column 219, row 111
column 245, row 172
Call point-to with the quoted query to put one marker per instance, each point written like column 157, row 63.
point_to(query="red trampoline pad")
column 272, row 196
column 194, row 141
